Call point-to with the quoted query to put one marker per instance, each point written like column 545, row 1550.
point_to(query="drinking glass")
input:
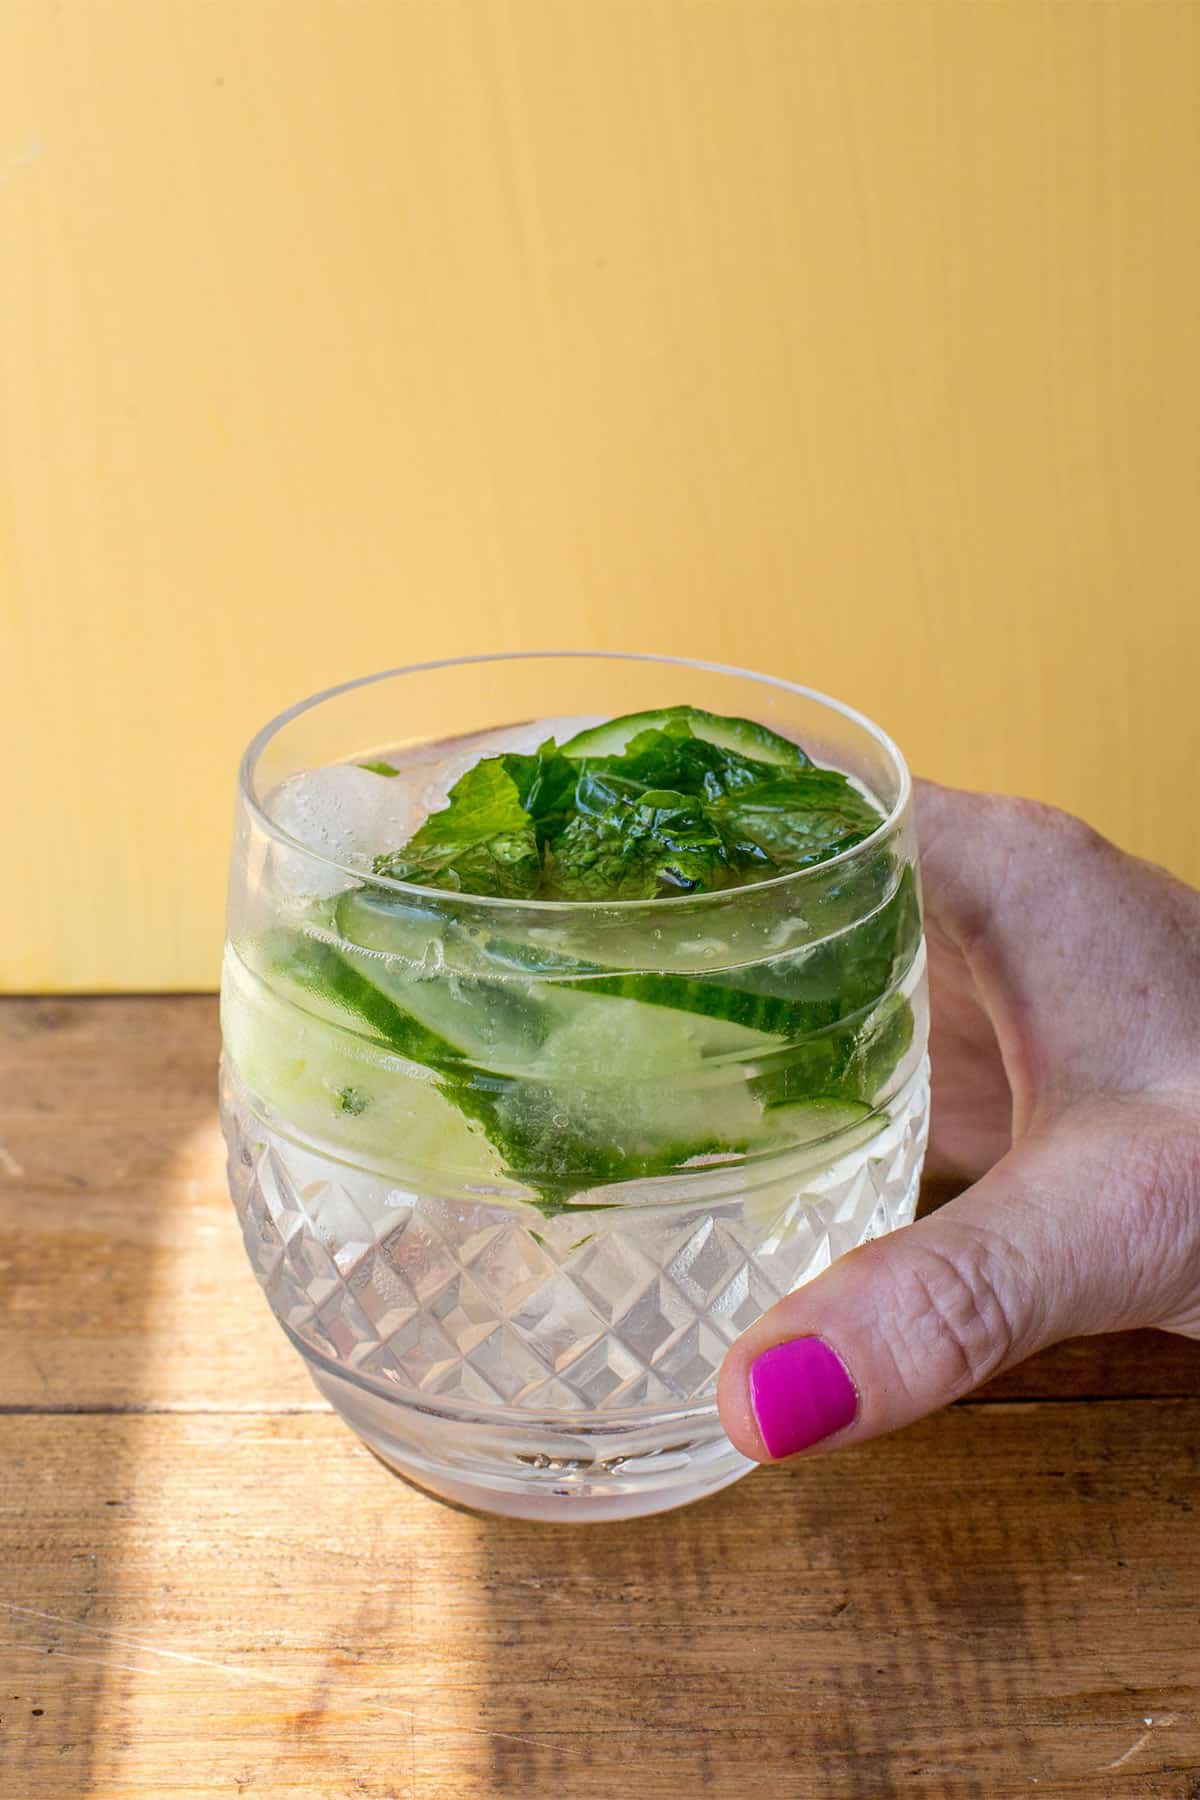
column 514, row 1174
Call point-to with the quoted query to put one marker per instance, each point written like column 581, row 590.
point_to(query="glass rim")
column 573, row 908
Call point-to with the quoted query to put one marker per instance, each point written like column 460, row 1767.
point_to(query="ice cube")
column 347, row 815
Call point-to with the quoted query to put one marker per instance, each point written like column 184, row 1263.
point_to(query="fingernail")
column 801, row 1392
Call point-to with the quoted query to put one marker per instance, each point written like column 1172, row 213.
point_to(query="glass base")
column 539, row 1469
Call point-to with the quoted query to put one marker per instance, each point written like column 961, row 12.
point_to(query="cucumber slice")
column 620, row 1091
column 610, row 1091
column 576, row 1079
column 746, row 736
column 415, row 950
column 396, row 927
column 494, row 1025
column 883, row 1043
column 403, row 930
column 320, row 981
column 406, row 931
column 423, row 964
column 812, row 1121
column 825, row 1022
column 766, row 1015
column 350, row 1094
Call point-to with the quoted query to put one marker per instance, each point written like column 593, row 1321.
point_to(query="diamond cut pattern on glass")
column 703, row 1264
column 464, row 1314
column 289, row 1303
column 422, row 1351
column 609, row 1270
column 558, row 1321
column 511, row 1267
column 346, row 1329
column 312, row 1268
column 741, row 1301
column 463, row 1303
column 654, row 1318
column 333, row 1217
column 509, row 1365
column 418, row 1253
column 382, row 1293
column 693, row 1360
column 280, row 1201
column 603, row 1371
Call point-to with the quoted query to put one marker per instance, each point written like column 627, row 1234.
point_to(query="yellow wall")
column 851, row 341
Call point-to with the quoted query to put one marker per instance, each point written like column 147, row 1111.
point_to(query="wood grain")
column 128, row 1283
column 208, row 1588
column 199, row 1606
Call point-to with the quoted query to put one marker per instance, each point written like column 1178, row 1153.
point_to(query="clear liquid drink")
column 515, row 1171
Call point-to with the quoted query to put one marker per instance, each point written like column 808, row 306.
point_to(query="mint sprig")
column 673, row 813
column 628, row 842
column 481, row 842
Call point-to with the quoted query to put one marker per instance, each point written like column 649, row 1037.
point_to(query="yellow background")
column 855, row 342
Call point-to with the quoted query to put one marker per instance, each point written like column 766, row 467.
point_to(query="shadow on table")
column 99, row 1102
column 931, row 1615
column 788, row 1637
column 939, row 1617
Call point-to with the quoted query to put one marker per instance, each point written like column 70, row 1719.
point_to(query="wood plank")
column 119, row 1248
column 993, row 1604
column 240, row 1600
column 120, row 1255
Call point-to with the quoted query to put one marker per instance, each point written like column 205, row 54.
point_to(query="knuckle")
column 1160, row 1214
column 1017, row 818
column 1159, row 1179
column 1038, row 819
column 995, row 858
column 955, row 1312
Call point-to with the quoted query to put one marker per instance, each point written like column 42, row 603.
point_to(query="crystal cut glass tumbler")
column 549, row 1348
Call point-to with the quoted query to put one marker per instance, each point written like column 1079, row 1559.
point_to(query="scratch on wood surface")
column 100, row 1662
column 359, row 1698
column 38, row 1367
column 1139, row 1743
column 9, row 1163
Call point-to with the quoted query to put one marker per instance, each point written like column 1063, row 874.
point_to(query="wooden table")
column 208, row 1588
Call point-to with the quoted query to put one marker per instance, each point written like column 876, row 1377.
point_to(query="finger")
column 1060, row 1239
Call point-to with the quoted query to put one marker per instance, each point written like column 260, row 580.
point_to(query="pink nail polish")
column 801, row 1392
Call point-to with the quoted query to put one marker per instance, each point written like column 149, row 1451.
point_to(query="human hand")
column 1065, row 983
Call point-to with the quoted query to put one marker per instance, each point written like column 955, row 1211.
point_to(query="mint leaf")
column 679, row 808
column 673, row 758
column 379, row 768
column 481, row 842
column 554, row 1153
column 631, row 843
column 545, row 784
column 794, row 820
column 722, row 816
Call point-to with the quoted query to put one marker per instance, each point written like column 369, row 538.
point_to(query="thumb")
column 1042, row 1248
